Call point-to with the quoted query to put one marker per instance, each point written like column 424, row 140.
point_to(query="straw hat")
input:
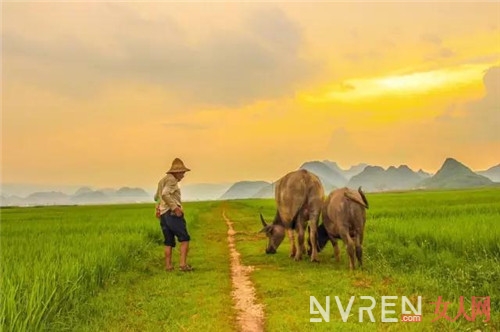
column 178, row 167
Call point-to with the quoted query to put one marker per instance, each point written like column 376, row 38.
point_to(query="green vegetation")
column 440, row 243
column 100, row 268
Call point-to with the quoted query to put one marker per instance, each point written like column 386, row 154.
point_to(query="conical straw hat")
column 178, row 166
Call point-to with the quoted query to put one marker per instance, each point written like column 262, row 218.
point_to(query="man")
column 172, row 220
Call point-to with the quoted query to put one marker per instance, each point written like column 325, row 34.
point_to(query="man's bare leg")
column 168, row 257
column 184, row 252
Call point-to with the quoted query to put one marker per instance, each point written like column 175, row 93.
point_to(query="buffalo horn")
column 262, row 220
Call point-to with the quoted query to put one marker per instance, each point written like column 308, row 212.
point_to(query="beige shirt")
column 161, row 184
column 169, row 193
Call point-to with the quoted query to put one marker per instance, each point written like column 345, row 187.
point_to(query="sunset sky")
column 108, row 94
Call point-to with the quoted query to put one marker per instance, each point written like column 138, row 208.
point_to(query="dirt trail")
column 250, row 313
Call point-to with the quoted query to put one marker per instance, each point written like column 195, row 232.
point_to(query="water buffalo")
column 299, row 197
column 344, row 217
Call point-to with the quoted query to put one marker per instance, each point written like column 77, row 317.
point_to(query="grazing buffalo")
column 299, row 198
column 344, row 217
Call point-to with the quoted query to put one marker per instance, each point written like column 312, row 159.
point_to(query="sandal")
column 186, row 268
column 168, row 269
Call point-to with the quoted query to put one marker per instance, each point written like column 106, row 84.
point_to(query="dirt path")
column 250, row 313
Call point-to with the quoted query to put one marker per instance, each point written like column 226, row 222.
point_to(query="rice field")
column 88, row 268
column 55, row 257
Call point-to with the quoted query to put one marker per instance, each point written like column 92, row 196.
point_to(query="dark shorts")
column 173, row 226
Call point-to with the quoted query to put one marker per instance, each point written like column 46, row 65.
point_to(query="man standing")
column 172, row 220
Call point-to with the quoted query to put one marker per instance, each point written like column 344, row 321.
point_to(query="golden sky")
column 107, row 94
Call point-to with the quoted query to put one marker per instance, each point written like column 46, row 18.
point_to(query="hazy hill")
column 454, row 174
column 492, row 173
column 375, row 178
column 371, row 179
column 328, row 176
column 82, row 190
column 203, row 191
column 91, row 197
column 402, row 177
column 333, row 165
column 11, row 200
column 244, row 189
column 83, row 195
column 131, row 192
column 347, row 174
column 423, row 174
column 354, row 170
column 48, row 198
column 266, row 192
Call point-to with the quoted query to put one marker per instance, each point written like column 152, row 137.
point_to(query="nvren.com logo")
column 410, row 312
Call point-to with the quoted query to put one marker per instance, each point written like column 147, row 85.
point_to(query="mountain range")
column 492, row 173
column 82, row 196
column 452, row 174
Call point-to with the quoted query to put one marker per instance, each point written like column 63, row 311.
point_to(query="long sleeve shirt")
column 170, row 196
column 159, row 189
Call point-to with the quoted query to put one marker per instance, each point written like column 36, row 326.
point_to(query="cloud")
column 473, row 123
column 439, row 51
column 431, row 39
column 184, row 126
column 483, row 116
column 440, row 54
column 357, row 57
column 446, row 53
column 224, row 67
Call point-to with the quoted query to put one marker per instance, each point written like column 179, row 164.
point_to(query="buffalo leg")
column 313, row 224
column 351, row 248
column 291, row 237
column 359, row 251
column 336, row 250
column 300, row 247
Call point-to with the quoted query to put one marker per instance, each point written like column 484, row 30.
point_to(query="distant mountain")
column 423, row 174
column 347, row 174
column 91, row 197
column 266, row 192
column 130, row 195
column 354, row 170
column 454, row 174
column 492, row 173
column 131, row 192
column 244, row 189
column 203, row 191
column 48, row 198
column 83, row 190
column 82, row 195
column 328, row 176
column 333, row 165
column 375, row 178
column 25, row 189
column 11, row 200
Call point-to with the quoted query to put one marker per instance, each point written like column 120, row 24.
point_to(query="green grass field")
column 100, row 268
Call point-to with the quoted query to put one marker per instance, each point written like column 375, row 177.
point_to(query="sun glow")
column 359, row 89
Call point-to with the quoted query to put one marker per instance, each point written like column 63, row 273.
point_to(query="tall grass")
column 54, row 258
column 438, row 243
column 451, row 238
column 57, row 259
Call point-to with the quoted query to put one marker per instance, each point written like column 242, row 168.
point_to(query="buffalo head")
column 275, row 232
column 321, row 239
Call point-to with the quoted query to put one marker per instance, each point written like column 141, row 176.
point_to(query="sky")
column 107, row 94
